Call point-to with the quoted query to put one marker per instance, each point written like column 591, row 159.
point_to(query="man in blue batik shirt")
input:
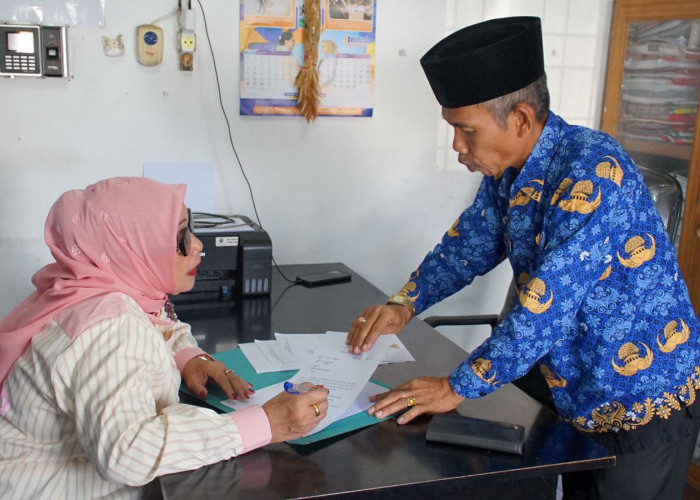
column 601, row 304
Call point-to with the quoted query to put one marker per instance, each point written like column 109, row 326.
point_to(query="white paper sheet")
column 302, row 345
column 290, row 351
column 268, row 356
column 262, row 396
column 198, row 175
column 395, row 352
column 362, row 402
column 343, row 374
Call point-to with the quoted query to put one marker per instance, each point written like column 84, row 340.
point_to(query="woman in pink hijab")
column 91, row 362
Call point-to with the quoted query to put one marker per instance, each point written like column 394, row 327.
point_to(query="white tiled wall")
column 575, row 37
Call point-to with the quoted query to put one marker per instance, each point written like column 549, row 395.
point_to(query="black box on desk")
column 236, row 259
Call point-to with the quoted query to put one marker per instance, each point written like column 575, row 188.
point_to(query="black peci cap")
column 485, row 61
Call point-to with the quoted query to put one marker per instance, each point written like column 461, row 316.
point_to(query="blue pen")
column 293, row 388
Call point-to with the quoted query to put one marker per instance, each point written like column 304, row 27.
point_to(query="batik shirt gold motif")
column 601, row 301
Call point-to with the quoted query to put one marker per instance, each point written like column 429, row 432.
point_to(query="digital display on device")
column 21, row 42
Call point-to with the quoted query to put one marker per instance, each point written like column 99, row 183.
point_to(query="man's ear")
column 524, row 119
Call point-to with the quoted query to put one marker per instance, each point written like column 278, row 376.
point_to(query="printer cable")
column 230, row 135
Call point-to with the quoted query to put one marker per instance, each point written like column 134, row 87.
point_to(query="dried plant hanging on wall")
column 309, row 89
column 334, row 43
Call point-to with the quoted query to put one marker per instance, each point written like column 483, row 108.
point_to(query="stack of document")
column 659, row 99
column 291, row 351
column 322, row 359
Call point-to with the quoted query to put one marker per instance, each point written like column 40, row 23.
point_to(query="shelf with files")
column 659, row 92
column 677, row 151
column 651, row 103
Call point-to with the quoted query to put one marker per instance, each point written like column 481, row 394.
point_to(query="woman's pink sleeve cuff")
column 184, row 355
column 253, row 427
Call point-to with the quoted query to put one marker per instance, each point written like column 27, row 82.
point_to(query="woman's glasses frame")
column 184, row 242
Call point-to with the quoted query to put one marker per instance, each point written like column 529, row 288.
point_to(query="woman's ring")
column 362, row 319
column 228, row 371
column 411, row 402
column 317, row 411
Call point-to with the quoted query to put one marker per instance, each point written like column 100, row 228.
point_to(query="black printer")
column 236, row 259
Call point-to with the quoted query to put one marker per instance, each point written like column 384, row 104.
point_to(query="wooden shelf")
column 671, row 156
column 679, row 151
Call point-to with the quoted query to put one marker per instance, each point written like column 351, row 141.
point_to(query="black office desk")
column 385, row 460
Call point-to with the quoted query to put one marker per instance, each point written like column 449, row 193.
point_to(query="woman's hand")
column 293, row 415
column 198, row 372
column 426, row 395
column 375, row 321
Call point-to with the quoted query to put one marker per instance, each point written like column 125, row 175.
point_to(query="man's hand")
column 426, row 395
column 197, row 372
column 375, row 321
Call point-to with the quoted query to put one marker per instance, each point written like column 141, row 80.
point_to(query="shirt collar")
column 536, row 167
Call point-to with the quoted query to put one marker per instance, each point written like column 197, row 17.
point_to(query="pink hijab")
column 118, row 235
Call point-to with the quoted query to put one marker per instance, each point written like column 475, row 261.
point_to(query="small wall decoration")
column 309, row 58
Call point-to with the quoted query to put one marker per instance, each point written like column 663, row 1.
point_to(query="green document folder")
column 236, row 360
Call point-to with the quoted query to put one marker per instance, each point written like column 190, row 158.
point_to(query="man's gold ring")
column 362, row 319
column 317, row 411
column 229, row 371
column 411, row 402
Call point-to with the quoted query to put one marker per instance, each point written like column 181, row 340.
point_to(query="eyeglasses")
column 185, row 241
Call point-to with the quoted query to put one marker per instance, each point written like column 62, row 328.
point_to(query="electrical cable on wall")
column 230, row 134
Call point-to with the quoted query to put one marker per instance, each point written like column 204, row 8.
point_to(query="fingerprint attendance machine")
column 33, row 51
